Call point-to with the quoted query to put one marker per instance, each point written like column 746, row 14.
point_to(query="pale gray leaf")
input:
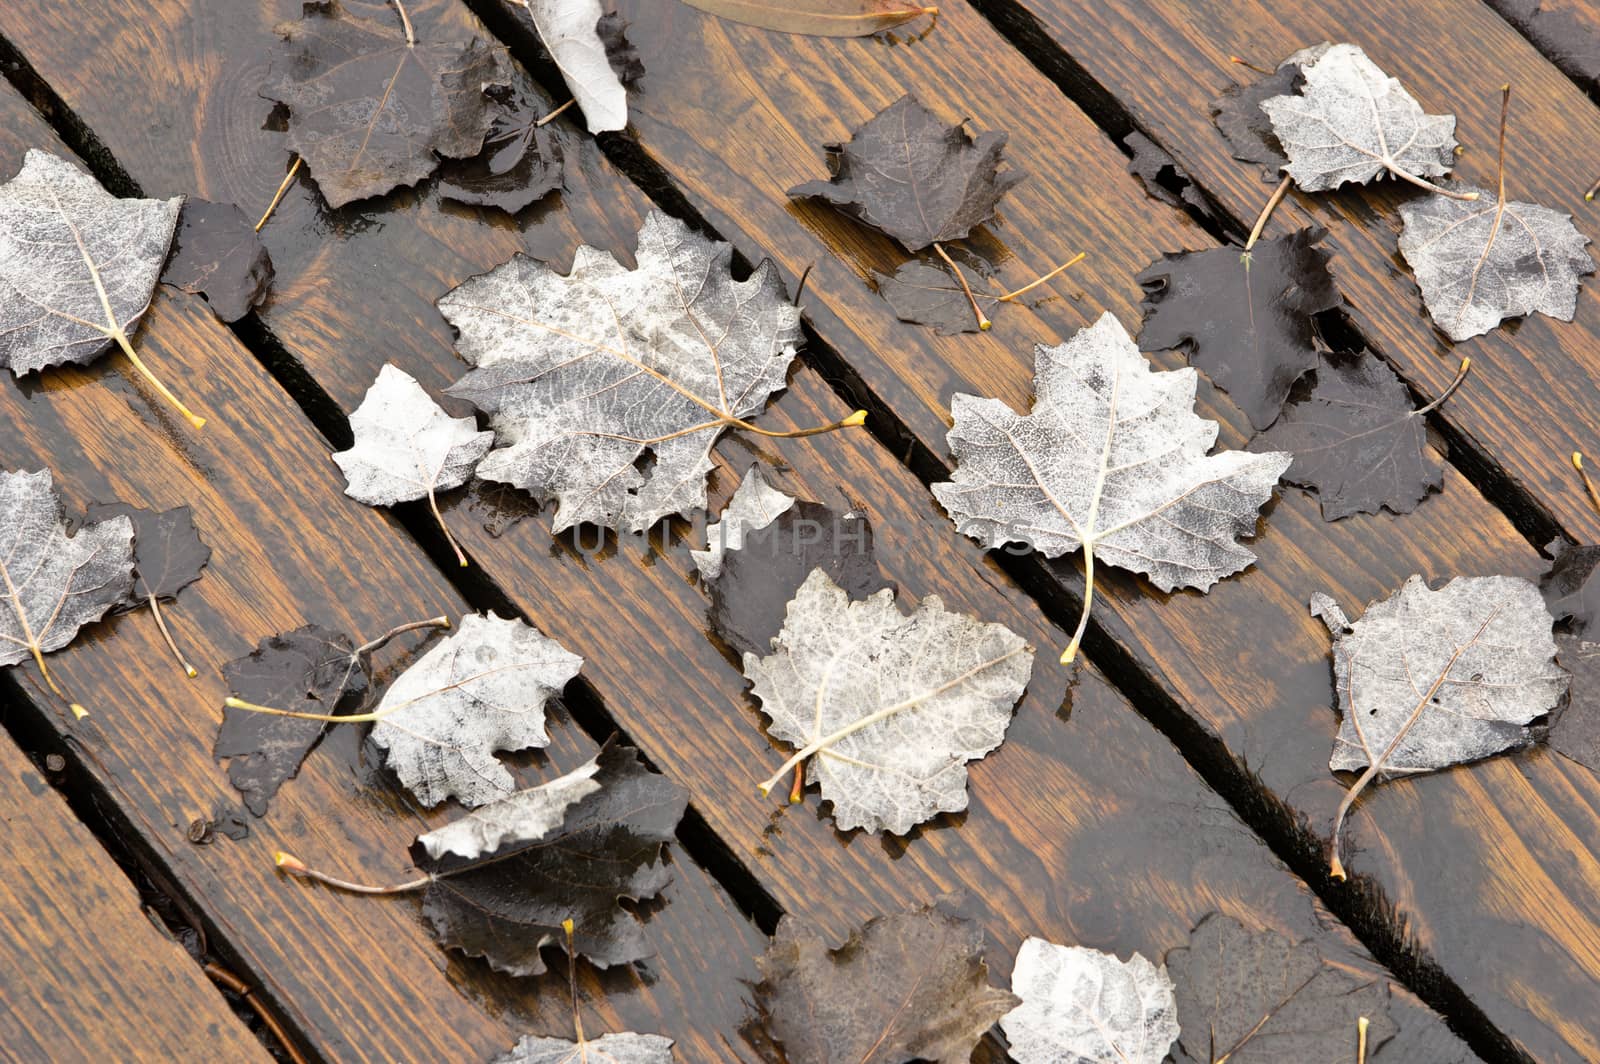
column 1082, row 1006
column 52, row 584
column 484, row 689
column 1352, row 122
column 63, row 239
column 1483, row 261
column 531, row 813
column 627, row 1048
column 589, row 377
column 754, row 506
column 889, row 708
column 1112, row 459
column 567, row 28
column 405, row 446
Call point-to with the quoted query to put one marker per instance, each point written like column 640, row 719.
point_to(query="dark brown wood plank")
column 354, row 979
column 88, row 976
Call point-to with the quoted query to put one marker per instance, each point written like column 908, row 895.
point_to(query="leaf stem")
column 1266, row 212
column 572, row 982
column 983, row 319
column 1250, row 66
column 1461, row 375
column 78, row 712
column 121, row 337
column 551, row 117
column 292, row 865
column 277, row 197
column 378, row 643
column 1593, row 189
column 224, row 978
column 798, row 788
column 1071, row 652
column 1025, row 289
column 854, row 420
column 172, row 645
column 1429, row 185
column 405, row 20
column 1588, row 485
column 1505, row 112
column 433, row 504
column 1361, row 1040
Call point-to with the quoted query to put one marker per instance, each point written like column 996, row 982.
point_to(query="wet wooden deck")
column 1181, row 769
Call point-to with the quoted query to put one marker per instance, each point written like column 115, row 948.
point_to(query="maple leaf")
column 521, row 159
column 77, row 268
column 372, row 108
column 820, row 18
column 168, row 556
column 407, row 448
column 216, row 254
column 1482, row 262
column 920, row 181
column 1111, row 460
column 1427, row 679
column 1244, row 317
column 755, row 505
column 587, row 377
column 889, row 708
column 858, row 1004
column 570, row 32
column 1259, row 998
column 1082, row 1006
column 481, row 690
column 1357, row 441
column 52, row 583
column 627, row 1048
column 1352, row 123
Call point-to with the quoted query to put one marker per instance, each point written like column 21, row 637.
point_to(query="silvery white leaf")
column 1082, row 1006
column 567, row 28
column 531, row 813
column 890, row 707
column 1112, row 459
column 586, row 374
column 483, row 689
column 60, row 232
column 405, row 446
column 754, row 506
column 626, row 1048
column 1483, row 261
column 52, row 584
column 1352, row 122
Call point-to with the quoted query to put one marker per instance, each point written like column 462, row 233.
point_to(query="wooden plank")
column 88, row 976
column 354, row 979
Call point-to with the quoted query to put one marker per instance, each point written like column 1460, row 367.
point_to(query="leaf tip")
column 1577, row 460
column 1336, row 869
column 856, row 419
column 191, row 671
column 288, row 862
column 567, row 926
column 78, row 712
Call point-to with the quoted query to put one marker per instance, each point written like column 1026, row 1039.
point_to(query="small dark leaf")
column 1565, row 32
column 1258, row 998
column 1159, row 172
column 1570, row 588
column 217, row 254
column 1357, row 441
column 621, row 53
column 520, row 162
column 1245, row 317
column 1246, row 127
column 1572, row 593
column 924, row 293
column 917, row 179
column 168, row 554
column 909, row 986
column 308, row 670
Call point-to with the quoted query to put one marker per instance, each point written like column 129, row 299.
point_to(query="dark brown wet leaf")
column 168, row 554
column 1572, row 592
column 217, row 254
column 370, row 112
column 860, row 1003
column 918, row 179
column 1571, row 588
column 309, row 670
column 1357, row 440
column 818, row 18
column 621, row 53
column 1246, row 127
column 924, row 292
column 1566, row 32
column 1244, row 317
column 1255, row 997
column 521, row 160
column 1161, row 176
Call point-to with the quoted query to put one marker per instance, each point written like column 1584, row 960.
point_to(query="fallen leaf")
column 371, row 107
column 521, row 160
column 1156, row 170
column 1111, row 460
column 1571, row 588
column 1244, row 317
column 168, row 553
column 628, row 1048
column 1082, row 1006
column 920, row 181
column 1427, row 679
column 621, row 53
column 818, row 18
column 1565, row 33
column 888, row 708
column 481, row 690
column 522, row 816
column 1352, row 123
column 755, row 505
column 570, row 33
column 1258, row 998
column 588, row 376
column 1571, row 591
column 924, row 293
column 1357, row 441
column 217, row 254
column 407, row 448
column 858, row 1003
column 1246, row 127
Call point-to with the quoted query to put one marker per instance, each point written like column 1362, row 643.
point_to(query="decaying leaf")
column 523, row 816
column 755, row 505
column 919, row 180
column 521, row 161
column 587, row 377
column 859, row 1004
column 1352, row 123
column 77, row 268
column 627, row 1048
column 621, row 53
column 407, row 448
column 1258, row 998
column 1246, row 127
column 217, row 254
column 570, row 32
column 481, row 690
column 1158, row 172
column 1357, row 440
column 1082, row 1006
column 52, row 583
column 1111, row 460
column 1571, row 590
column 1244, row 317
column 818, row 18
column 372, row 108
column 168, row 553
column 1427, row 679
column 924, row 293
column 888, row 708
